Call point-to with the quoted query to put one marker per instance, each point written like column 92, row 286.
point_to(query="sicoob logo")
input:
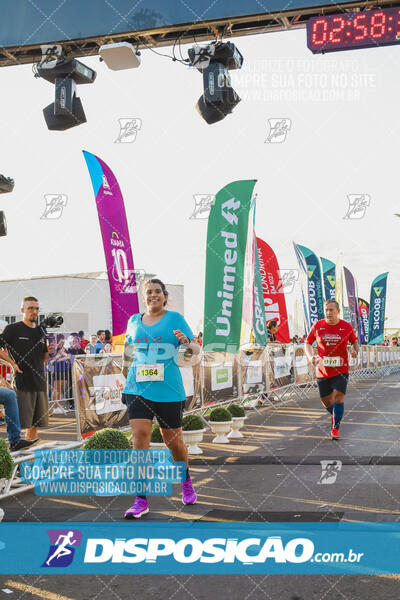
column 62, row 547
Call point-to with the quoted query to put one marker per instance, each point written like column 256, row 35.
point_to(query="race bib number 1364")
column 150, row 372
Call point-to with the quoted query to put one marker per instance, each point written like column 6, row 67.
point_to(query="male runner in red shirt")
column 332, row 335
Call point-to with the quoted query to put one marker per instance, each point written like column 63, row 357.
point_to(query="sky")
column 344, row 139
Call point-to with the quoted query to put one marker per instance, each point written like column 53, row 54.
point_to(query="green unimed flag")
column 225, row 258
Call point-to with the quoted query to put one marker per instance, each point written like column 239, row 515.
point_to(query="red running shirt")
column 332, row 342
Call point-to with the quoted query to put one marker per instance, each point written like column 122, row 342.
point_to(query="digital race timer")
column 356, row 30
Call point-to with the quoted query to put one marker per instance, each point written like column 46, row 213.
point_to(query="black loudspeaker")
column 66, row 121
column 3, row 224
column 211, row 113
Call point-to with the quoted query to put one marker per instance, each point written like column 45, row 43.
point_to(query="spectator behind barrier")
column 272, row 328
column 101, row 337
column 84, row 342
column 91, row 347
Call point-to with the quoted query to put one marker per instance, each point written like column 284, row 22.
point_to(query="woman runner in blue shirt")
column 153, row 339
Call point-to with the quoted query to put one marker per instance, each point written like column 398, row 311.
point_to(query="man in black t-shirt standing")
column 27, row 346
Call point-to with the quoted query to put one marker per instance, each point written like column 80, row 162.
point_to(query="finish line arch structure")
column 82, row 27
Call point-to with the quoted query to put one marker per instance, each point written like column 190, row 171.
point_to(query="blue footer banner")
column 195, row 547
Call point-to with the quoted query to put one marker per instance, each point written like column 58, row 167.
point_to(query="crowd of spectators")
column 63, row 348
column 394, row 341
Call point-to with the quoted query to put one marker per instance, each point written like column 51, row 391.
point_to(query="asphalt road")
column 273, row 474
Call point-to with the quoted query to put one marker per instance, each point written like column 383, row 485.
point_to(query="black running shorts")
column 168, row 414
column 326, row 385
column 33, row 409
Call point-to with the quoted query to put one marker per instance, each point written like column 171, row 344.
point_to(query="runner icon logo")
column 358, row 204
column 63, row 543
column 287, row 280
column 330, row 471
column 50, row 55
column 278, row 129
column 128, row 129
column 202, row 206
column 55, row 204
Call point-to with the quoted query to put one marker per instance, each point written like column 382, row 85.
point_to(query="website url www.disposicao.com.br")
column 248, row 551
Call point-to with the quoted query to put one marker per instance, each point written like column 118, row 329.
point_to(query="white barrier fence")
column 267, row 375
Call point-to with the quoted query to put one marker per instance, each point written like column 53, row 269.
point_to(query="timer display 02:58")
column 357, row 30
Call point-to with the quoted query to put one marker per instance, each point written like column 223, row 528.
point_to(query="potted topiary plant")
column 6, row 468
column 238, row 417
column 107, row 439
column 193, row 430
column 156, row 440
column 220, row 421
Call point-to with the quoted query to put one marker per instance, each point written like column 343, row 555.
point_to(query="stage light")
column 66, row 111
column 214, row 61
column 6, row 184
column 3, row 224
column 120, row 56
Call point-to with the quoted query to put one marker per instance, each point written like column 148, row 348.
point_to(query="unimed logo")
column 221, row 375
column 191, row 550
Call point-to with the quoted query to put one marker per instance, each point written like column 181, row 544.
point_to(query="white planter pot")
column 192, row 438
column 237, row 423
column 220, row 428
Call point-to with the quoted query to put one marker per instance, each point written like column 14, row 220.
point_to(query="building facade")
column 82, row 299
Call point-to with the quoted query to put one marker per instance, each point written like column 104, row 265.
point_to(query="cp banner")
column 351, row 286
column 259, row 321
column 272, row 288
column 314, row 282
column 116, row 242
column 363, row 312
column 329, row 275
column 377, row 309
column 227, row 232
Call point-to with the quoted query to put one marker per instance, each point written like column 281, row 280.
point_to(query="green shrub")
column 236, row 410
column 107, row 439
column 220, row 414
column 156, row 436
column 6, row 462
column 192, row 423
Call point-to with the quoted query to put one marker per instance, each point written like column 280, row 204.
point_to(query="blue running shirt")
column 156, row 344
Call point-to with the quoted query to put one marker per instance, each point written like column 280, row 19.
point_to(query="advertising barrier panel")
column 98, row 384
column 253, row 372
column 303, row 369
column 219, row 377
column 280, row 365
column 371, row 357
